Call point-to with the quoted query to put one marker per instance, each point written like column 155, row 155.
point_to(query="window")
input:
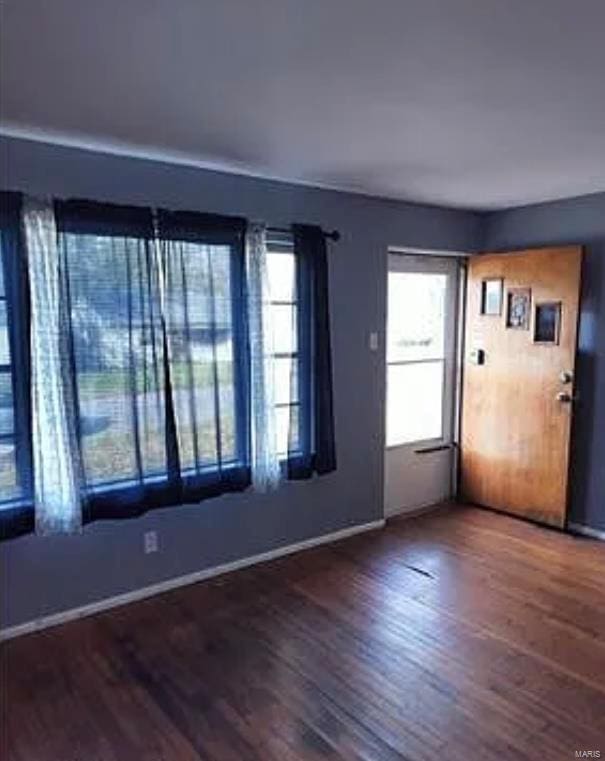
column 281, row 265
column 156, row 322
column 117, row 355
column 15, row 434
column 9, row 480
column 150, row 360
column 201, row 322
column 415, row 357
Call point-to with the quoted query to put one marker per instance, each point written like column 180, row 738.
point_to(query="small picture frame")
column 491, row 297
column 547, row 322
column 518, row 308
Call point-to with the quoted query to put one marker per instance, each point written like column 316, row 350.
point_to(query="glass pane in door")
column 414, row 402
column 416, row 332
column 416, row 307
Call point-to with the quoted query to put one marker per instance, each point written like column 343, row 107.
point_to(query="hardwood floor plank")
column 457, row 634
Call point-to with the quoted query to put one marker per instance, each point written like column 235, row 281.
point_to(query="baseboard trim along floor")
column 107, row 603
column 593, row 533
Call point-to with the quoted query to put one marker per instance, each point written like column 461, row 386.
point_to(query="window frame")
column 282, row 243
column 156, row 478
column 173, row 486
column 8, row 370
column 17, row 513
column 406, row 264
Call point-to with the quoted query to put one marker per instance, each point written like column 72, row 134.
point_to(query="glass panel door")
column 421, row 337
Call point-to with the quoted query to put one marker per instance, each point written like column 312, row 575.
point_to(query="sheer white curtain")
column 266, row 472
column 57, row 498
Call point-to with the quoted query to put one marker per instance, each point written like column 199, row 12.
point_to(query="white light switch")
column 373, row 341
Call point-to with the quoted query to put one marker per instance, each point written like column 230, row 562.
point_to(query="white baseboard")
column 107, row 603
column 594, row 533
column 413, row 512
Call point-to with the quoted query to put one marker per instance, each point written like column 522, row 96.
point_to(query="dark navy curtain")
column 312, row 448
column 16, row 512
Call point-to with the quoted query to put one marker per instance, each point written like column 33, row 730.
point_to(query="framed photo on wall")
column 491, row 297
column 518, row 308
column 547, row 322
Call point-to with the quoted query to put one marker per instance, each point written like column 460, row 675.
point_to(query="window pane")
column 6, row 403
column 4, row 340
column 200, row 422
column 199, row 288
column 414, row 402
column 112, row 418
column 286, row 380
column 284, row 328
column 118, row 355
column 199, row 310
column 281, row 273
column 9, row 488
column 415, row 326
column 287, row 417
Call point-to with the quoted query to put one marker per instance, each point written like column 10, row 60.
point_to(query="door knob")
column 566, row 376
column 565, row 397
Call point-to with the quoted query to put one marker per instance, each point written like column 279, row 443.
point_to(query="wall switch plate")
column 373, row 341
column 150, row 542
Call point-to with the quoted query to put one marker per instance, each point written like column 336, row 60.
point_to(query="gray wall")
column 578, row 220
column 40, row 576
column 52, row 574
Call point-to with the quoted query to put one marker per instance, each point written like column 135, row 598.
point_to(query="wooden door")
column 519, row 371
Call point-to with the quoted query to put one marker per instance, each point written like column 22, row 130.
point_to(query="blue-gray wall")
column 40, row 576
column 578, row 220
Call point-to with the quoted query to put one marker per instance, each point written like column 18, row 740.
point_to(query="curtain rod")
column 334, row 235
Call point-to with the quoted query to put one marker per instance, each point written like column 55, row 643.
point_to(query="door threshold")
column 517, row 516
column 416, row 511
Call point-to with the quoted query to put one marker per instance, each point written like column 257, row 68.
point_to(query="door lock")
column 565, row 397
column 566, row 376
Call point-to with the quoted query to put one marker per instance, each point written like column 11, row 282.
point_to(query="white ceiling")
column 468, row 103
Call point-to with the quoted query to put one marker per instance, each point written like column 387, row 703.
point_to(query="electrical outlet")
column 150, row 541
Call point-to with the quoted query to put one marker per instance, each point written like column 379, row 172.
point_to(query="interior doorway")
column 421, row 380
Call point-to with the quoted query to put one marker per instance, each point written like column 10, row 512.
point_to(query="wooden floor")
column 462, row 634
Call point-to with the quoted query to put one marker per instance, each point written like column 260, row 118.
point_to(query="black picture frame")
column 547, row 323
